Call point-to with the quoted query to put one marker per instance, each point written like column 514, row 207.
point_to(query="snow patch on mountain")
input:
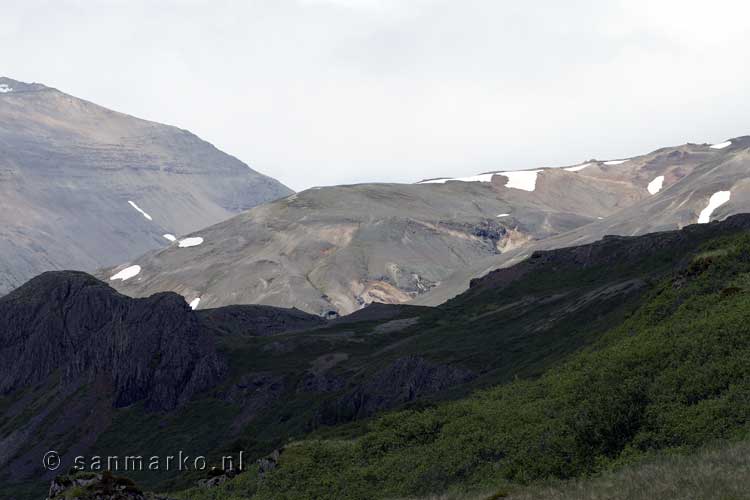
column 4, row 88
column 577, row 168
column 127, row 273
column 503, row 215
column 472, row 178
column 194, row 303
column 190, row 242
column 517, row 179
column 170, row 237
column 521, row 179
column 132, row 204
column 721, row 145
column 717, row 199
column 655, row 185
column 616, row 162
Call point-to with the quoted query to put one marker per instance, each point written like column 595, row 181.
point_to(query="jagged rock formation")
column 84, row 187
column 72, row 324
column 73, row 351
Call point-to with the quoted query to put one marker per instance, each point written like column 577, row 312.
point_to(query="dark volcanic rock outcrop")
column 72, row 325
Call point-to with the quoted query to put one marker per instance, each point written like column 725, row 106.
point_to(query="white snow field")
column 722, row 145
column 655, row 185
column 194, row 303
column 503, row 215
column 126, row 273
column 517, row 179
column 170, row 237
column 717, row 199
column 521, row 179
column 577, row 168
column 616, row 162
column 132, row 204
column 190, row 242
column 4, row 88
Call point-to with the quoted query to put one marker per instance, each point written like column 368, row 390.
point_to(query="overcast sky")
column 319, row 92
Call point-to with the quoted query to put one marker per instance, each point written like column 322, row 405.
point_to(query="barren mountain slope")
column 83, row 187
column 679, row 203
column 338, row 248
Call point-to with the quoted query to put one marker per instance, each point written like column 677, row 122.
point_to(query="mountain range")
column 84, row 187
column 335, row 249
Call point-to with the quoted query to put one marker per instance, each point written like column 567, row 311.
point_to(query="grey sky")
column 317, row 92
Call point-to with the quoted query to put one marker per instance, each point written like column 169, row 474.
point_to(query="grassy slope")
column 716, row 473
column 672, row 376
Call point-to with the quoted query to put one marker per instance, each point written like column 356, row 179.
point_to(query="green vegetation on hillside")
column 714, row 473
column 673, row 376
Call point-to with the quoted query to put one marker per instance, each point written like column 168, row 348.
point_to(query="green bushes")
column 674, row 375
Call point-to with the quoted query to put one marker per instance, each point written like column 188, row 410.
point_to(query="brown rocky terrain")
column 336, row 249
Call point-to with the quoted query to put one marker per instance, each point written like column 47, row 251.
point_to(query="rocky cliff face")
column 72, row 326
column 74, row 354
column 84, row 187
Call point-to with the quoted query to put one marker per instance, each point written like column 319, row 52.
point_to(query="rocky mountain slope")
column 706, row 184
column 339, row 248
column 83, row 187
column 161, row 377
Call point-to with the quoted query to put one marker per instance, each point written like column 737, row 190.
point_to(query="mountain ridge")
column 335, row 249
column 84, row 186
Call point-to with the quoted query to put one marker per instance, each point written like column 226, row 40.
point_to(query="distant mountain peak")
column 8, row 85
column 85, row 187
